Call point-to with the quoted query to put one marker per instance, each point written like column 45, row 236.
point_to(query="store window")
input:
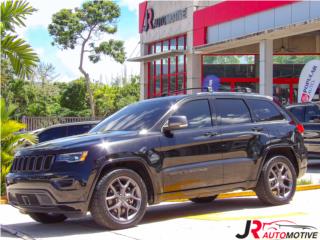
column 240, row 73
column 167, row 76
column 236, row 73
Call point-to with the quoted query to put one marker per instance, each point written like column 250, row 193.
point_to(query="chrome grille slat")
column 32, row 163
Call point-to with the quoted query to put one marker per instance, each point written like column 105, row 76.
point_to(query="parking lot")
column 222, row 218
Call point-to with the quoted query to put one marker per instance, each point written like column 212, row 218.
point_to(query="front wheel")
column 119, row 200
column 47, row 218
column 277, row 182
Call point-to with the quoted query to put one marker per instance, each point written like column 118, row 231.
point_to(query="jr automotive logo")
column 282, row 229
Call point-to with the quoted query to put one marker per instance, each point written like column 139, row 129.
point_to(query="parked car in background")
column 309, row 115
column 166, row 148
column 64, row 130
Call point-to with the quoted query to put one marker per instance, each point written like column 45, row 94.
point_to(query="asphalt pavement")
column 221, row 219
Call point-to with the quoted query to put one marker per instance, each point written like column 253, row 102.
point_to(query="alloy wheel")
column 280, row 180
column 123, row 199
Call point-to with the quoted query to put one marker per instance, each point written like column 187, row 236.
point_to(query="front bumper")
column 50, row 193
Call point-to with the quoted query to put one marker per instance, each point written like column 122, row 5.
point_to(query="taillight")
column 300, row 128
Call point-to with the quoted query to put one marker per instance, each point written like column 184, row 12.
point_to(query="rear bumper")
column 49, row 193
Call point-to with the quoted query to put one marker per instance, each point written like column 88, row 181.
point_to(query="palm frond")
column 10, row 127
column 7, row 110
column 13, row 13
column 20, row 54
column 15, row 141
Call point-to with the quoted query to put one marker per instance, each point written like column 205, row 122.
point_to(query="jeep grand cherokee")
column 185, row 146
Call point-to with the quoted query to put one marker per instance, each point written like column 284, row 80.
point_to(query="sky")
column 66, row 62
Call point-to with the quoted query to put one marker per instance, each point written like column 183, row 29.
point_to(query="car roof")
column 302, row 104
column 220, row 94
column 70, row 124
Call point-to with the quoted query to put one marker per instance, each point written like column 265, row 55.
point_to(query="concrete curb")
column 252, row 193
column 16, row 233
column 299, row 188
column 3, row 200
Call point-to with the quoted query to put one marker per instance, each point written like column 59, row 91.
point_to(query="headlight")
column 72, row 157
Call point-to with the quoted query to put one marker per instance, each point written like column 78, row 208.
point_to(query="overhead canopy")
column 155, row 56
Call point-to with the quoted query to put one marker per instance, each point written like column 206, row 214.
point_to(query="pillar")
column 266, row 67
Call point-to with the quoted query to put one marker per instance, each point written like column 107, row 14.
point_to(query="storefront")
column 262, row 47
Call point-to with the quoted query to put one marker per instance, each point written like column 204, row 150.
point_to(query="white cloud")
column 132, row 5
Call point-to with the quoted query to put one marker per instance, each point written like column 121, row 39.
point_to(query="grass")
column 304, row 182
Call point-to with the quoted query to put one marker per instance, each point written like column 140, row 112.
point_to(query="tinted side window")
column 264, row 110
column 79, row 129
column 232, row 111
column 312, row 112
column 197, row 113
column 52, row 133
column 298, row 112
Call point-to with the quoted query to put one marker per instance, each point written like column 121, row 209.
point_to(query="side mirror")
column 175, row 122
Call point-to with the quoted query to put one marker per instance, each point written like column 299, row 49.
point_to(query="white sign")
column 309, row 81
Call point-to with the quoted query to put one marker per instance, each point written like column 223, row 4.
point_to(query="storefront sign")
column 151, row 22
column 309, row 81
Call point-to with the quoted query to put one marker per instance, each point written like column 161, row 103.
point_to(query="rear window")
column 298, row 112
column 312, row 113
column 232, row 111
column 79, row 129
column 52, row 133
column 264, row 111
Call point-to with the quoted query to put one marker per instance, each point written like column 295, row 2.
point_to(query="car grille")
column 32, row 163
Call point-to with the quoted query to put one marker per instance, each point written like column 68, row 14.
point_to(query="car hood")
column 82, row 141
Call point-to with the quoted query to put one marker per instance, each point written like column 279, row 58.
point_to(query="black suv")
column 184, row 146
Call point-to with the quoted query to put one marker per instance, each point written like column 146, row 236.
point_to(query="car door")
column 241, row 139
column 312, row 130
column 191, row 156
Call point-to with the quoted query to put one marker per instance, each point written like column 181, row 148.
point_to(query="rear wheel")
column 119, row 200
column 47, row 218
column 203, row 199
column 277, row 182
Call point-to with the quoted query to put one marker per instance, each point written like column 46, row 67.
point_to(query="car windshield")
column 135, row 117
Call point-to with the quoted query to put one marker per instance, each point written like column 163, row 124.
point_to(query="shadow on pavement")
column 156, row 213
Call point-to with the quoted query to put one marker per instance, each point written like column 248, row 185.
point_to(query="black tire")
column 203, row 199
column 47, row 218
column 268, row 193
column 100, row 207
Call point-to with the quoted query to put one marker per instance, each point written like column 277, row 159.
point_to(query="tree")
column 84, row 26
column 44, row 73
column 10, row 139
column 74, row 96
column 16, row 50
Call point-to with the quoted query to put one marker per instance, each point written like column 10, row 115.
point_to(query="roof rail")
column 209, row 89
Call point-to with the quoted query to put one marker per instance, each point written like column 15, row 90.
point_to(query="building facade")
column 251, row 46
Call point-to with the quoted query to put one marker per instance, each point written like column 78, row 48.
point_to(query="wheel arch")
column 134, row 164
column 282, row 150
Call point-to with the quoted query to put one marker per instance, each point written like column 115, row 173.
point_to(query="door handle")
column 257, row 129
column 210, row 134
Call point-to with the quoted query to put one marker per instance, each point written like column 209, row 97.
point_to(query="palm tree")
column 11, row 139
column 21, row 56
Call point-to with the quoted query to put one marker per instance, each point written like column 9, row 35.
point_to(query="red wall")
column 226, row 11
column 142, row 13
